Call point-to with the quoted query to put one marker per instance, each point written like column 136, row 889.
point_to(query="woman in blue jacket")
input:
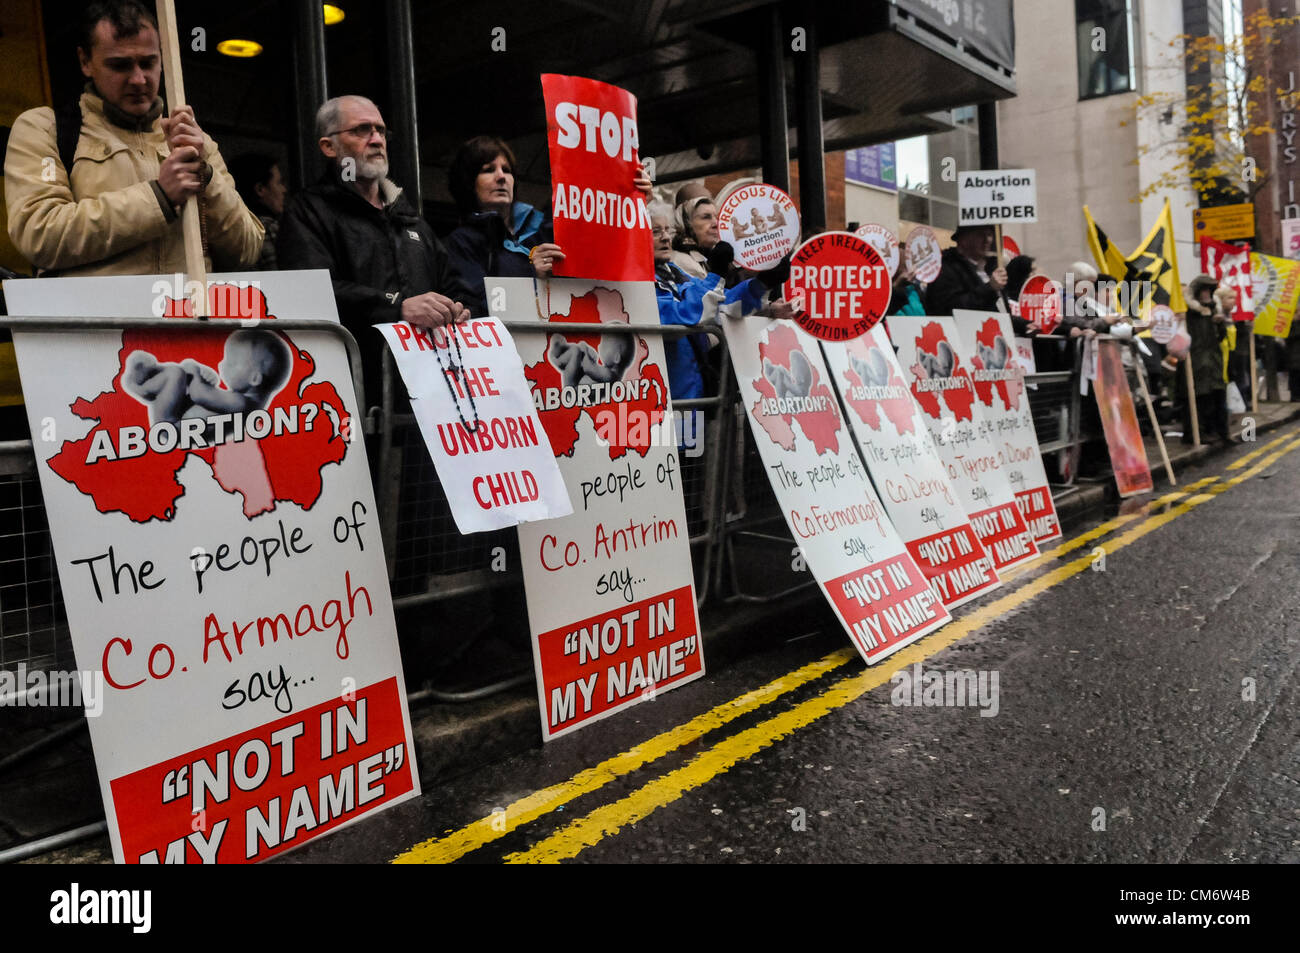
column 686, row 300
column 498, row 237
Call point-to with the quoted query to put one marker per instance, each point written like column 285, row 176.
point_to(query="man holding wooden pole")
column 99, row 187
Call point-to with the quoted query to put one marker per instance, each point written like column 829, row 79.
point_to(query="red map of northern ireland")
column 282, row 466
column 869, row 408
column 820, row 426
column 1011, row 388
column 960, row 400
column 623, row 424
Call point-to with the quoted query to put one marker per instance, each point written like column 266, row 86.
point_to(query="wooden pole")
column 1191, row 399
column 1151, row 412
column 174, row 83
column 1254, row 371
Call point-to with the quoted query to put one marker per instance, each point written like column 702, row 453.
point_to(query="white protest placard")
column 987, row 343
column 906, row 469
column 219, row 553
column 923, row 254
column 761, row 224
column 880, row 595
column 929, row 352
column 996, row 196
column 1025, row 358
column 1164, row 323
column 885, row 244
column 611, row 591
column 476, row 414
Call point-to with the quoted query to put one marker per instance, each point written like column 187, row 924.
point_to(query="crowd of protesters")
column 122, row 216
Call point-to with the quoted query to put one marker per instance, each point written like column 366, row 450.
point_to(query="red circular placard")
column 839, row 286
column 1040, row 303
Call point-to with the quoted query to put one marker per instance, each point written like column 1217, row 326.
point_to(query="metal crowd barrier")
column 730, row 505
column 430, row 563
column 33, row 624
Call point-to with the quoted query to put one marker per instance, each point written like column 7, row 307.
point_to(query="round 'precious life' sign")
column 761, row 223
column 885, row 244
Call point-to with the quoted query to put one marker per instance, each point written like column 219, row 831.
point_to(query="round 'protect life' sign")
column 839, row 286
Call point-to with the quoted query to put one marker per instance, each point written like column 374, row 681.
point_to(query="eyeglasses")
column 364, row 130
column 660, row 231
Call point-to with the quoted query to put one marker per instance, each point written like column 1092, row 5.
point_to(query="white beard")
column 372, row 169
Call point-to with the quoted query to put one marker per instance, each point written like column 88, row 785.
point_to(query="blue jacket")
column 686, row 300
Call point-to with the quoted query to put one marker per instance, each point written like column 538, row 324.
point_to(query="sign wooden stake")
column 174, row 83
column 1151, row 412
column 1254, row 373
column 1191, row 400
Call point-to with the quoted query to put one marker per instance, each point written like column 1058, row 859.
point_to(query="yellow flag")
column 1156, row 261
column 1276, row 292
column 1110, row 260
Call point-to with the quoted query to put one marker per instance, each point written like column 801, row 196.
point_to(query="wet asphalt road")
column 1146, row 712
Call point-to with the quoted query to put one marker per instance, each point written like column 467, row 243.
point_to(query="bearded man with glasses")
column 385, row 262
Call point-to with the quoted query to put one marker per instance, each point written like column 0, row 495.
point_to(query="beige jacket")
column 110, row 222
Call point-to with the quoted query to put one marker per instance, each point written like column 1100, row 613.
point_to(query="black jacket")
column 959, row 286
column 478, row 251
column 376, row 257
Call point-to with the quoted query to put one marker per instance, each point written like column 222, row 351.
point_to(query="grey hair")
column 1083, row 271
column 660, row 210
column 327, row 117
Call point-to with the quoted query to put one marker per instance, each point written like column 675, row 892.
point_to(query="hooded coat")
column 1206, row 333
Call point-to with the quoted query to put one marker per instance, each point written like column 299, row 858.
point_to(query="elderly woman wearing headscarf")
column 686, row 300
column 696, row 222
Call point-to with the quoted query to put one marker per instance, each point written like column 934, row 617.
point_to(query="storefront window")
column 1103, row 33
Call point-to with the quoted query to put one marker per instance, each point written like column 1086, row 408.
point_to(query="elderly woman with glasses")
column 499, row 237
column 683, row 299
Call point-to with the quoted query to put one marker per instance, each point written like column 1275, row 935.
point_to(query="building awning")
column 890, row 69
column 887, row 73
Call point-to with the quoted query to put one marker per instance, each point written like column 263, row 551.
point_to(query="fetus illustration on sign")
column 617, row 357
column 256, row 365
column 994, row 358
column 938, row 364
column 873, row 372
column 792, row 381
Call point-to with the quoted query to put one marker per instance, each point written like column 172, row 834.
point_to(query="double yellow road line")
column 610, row 818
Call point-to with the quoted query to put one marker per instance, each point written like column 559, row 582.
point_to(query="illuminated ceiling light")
column 333, row 14
column 240, row 48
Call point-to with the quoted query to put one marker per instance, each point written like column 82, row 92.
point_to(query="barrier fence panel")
column 33, row 625
column 452, row 591
column 737, row 533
